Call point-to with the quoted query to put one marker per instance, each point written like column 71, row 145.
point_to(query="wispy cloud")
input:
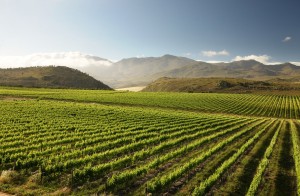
column 140, row 56
column 212, row 61
column 260, row 58
column 211, row 53
column 286, row 39
column 70, row 59
column 265, row 59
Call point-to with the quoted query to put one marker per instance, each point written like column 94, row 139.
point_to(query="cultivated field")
column 82, row 142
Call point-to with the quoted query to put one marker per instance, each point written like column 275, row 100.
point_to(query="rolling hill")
column 232, row 85
column 49, row 77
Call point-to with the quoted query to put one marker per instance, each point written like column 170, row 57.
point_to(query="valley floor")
column 133, row 89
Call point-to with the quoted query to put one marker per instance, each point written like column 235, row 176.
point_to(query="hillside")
column 238, row 69
column 49, row 77
column 138, row 71
column 234, row 85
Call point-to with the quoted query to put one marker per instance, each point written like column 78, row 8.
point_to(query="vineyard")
column 84, row 142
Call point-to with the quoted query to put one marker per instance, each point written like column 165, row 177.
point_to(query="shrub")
column 10, row 177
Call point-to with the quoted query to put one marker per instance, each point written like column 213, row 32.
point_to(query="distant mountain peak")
column 169, row 56
column 288, row 64
column 247, row 62
column 250, row 61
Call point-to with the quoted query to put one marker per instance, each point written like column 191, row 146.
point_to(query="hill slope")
column 139, row 71
column 51, row 77
column 238, row 69
column 234, row 85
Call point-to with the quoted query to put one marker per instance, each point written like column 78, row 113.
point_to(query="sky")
column 207, row 30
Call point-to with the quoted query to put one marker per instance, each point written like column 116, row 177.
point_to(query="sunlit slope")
column 49, row 77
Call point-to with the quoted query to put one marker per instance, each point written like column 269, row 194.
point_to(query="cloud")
column 70, row 59
column 140, row 56
column 212, row 61
column 296, row 63
column 286, row 39
column 210, row 53
column 261, row 58
column 265, row 59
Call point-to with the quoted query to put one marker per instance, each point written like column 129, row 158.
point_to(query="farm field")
column 83, row 142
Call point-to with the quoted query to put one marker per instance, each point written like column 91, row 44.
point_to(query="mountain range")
column 132, row 72
column 142, row 71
